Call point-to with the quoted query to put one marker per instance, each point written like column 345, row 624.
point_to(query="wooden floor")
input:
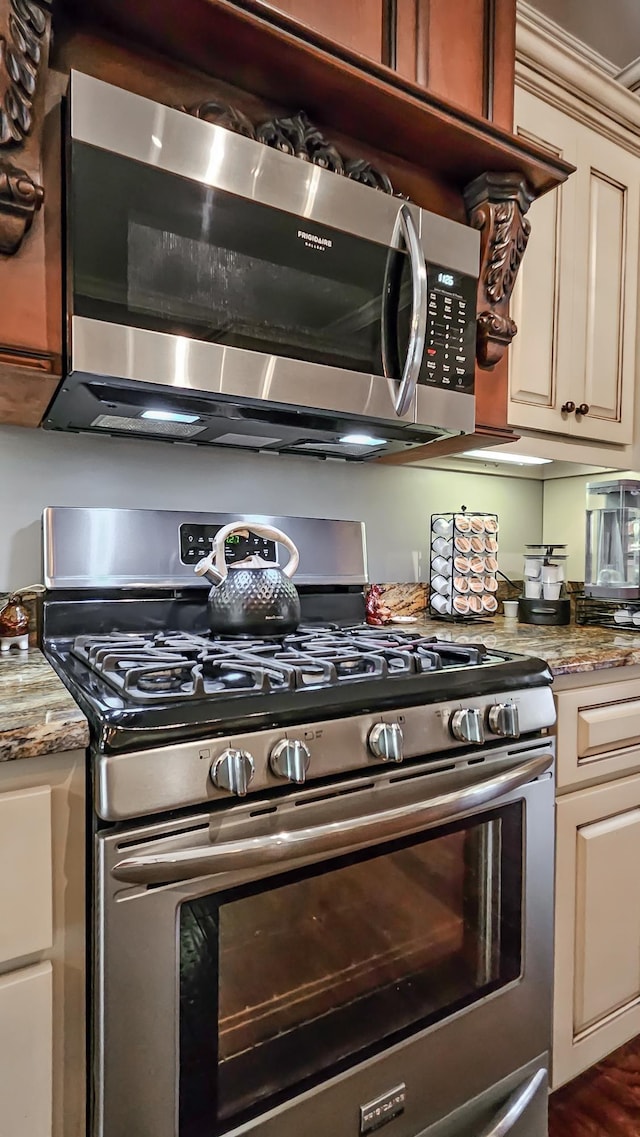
column 604, row 1102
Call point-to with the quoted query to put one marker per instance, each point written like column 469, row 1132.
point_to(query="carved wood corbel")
column 496, row 205
column 25, row 28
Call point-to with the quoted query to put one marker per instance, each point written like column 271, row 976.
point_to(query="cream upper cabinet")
column 576, row 297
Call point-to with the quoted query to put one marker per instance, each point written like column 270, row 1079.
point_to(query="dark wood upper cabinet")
column 358, row 25
column 461, row 50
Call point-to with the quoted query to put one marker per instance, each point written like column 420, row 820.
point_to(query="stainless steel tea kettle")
column 252, row 597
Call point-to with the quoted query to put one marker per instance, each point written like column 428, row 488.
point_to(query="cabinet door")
column 597, row 950
column 25, row 873
column 25, row 1052
column 543, row 296
column 357, row 25
column 576, row 296
column 606, row 288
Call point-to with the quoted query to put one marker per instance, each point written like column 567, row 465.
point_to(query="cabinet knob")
column 568, row 408
column 583, row 409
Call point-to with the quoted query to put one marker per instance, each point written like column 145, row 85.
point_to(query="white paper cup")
column 441, row 584
column 533, row 589
column 442, row 565
column 441, row 547
column 550, row 574
column 623, row 616
column 510, row 609
column 532, row 570
column 551, row 591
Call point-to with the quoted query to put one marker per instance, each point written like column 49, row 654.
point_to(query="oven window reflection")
column 312, row 973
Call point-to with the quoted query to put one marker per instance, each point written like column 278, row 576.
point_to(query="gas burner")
column 169, row 666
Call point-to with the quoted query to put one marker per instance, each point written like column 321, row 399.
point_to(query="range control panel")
column 451, row 330
column 196, row 541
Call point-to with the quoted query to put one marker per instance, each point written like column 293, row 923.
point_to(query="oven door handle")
column 406, row 225
column 288, row 847
column 514, row 1107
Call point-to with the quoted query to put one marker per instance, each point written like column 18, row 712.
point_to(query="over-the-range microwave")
column 221, row 291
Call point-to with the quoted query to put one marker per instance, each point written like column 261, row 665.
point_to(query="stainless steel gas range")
column 322, row 863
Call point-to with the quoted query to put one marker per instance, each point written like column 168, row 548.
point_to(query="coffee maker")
column 612, row 569
column 544, row 599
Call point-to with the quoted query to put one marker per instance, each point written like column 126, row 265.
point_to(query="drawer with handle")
column 598, row 732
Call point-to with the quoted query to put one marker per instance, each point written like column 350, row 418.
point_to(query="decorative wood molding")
column 20, row 198
column 568, row 74
column 496, row 205
column 25, row 27
column 295, row 135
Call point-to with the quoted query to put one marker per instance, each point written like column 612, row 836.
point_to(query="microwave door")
column 403, row 377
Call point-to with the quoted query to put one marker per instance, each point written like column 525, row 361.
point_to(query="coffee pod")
column 477, row 524
column 441, row 547
column 461, row 564
column 491, row 544
column 489, row 603
column 441, row 584
column 490, row 525
column 477, row 544
column 461, row 605
column 463, row 524
column 491, row 564
column 476, row 584
column 475, row 604
column 490, row 584
column 442, row 604
column 461, row 583
column 442, row 527
column 477, row 564
column 463, row 545
column 551, row 591
column 441, row 565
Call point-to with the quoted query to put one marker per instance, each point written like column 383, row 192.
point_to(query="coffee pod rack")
column 464, row 565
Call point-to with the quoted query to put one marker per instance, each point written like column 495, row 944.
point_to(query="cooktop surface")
column 154, row 687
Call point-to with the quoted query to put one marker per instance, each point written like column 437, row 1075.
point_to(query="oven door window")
column 294, row 980
column 158, row 251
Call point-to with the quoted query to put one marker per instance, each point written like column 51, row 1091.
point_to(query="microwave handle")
column 283, row 850
column 406, row 225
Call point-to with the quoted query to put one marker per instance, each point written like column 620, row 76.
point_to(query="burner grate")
column 168, row 666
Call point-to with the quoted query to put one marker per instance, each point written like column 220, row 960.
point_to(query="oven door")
column 204, row 263
column 294, row 960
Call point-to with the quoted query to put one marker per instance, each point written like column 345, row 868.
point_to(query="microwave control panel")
column 450, row 348
column 197, row 541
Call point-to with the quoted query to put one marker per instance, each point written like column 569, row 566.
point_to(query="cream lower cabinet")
column 597, row 898
column 597, row 956
column 26, row 1031
column 575, row 301
column 42, row 947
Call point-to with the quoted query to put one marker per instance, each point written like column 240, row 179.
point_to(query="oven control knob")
column 233, row 771
column 466, row 725
column 503, row 720
column 290, row 759
column 385, row 741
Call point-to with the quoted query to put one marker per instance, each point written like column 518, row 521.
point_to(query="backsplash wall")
column 40, row 468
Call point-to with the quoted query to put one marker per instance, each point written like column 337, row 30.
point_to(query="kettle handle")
column 267, row 531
